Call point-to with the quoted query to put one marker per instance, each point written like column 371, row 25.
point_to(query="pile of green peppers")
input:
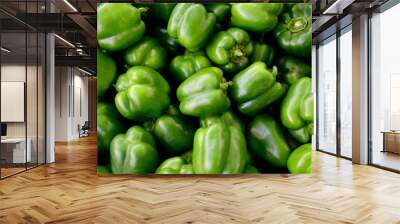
column 188, row 88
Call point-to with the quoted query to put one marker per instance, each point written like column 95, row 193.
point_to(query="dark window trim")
column 334, row 37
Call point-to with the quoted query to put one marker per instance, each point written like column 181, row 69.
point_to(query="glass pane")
column 327, row 96
column 385, row 84
column 13, row 86
column 346, row 93
column 31, row 98
column 41, row 99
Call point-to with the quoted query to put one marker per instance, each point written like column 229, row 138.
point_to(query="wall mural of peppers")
column 213, row 88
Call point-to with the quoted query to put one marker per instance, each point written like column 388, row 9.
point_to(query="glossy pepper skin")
column 291, row 69
column 183, row 66
column 161, row 11
column 267, row 141
column 119, row 25
column 227, row 117
column 147, row 52
column 191, row 25
column 221, row 12
column 300, row 160
column 231, row 119
column 107, row 71
column 294, row 33
column 255, row 87
column 219, row 148
column 203, row 94
column 103, row 170
column 256, row 17
column 231, row 49
column 175, row 165
column 134, row 152
column 142, row 94
column 297, row 110
column 264, row 53
column 109, row 124
column 250, row 169
column 172, row 131
column 169, row 43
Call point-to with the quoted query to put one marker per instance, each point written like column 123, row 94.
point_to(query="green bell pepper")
column 256, row 17
column 219, row 148
column 183, row 66
column 230, row 49
column 303, row 135
column 175, row 165
column 147, row 52
column 172, row 131
column 300, row 160
column 109, row 124
column 264, row 53
column 297, row 110
column 203, row 93
column 161, row 11
column 142, row 94
column 103, row 170
column 227, row 117
column 169, row 43
column 134, row 152
column 267, row 141
column 292, row 69
column 294, row 32
column 255, row 87
column 191, row 24
column 118, row 25
column 250, row 169
column 106, row 72
column 221, row 12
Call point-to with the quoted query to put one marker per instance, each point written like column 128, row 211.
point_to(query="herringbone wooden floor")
column 69, row 191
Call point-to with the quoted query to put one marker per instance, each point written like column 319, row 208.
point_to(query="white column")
column 50, row 100
column 360, row 90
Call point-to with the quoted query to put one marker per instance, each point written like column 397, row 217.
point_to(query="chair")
column 84, row 129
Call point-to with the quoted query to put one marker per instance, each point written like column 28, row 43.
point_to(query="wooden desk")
column 391, row 141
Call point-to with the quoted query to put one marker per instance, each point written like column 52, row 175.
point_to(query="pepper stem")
column 237, row 53
column 149, row 125
column 274, row 70
column 225, row 85
column 297, row 24
column 143, row 9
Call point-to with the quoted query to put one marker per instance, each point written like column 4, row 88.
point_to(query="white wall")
column 314, row 89
column 33, row 127
column 71, row 102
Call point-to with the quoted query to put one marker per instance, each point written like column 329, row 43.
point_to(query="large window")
column 345, row 43
column 385, row 89
column 22, row 101
column 327, row 95
column 334, row 74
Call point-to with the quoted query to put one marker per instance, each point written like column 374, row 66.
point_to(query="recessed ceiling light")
column 84, row 71
column 332, row 7
column 64, row 40
column 70, row 5
column 5, row 50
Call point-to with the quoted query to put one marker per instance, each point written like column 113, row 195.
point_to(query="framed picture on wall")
column 204, row 88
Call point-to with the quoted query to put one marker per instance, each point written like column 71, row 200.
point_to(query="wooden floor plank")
column 69, row 191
